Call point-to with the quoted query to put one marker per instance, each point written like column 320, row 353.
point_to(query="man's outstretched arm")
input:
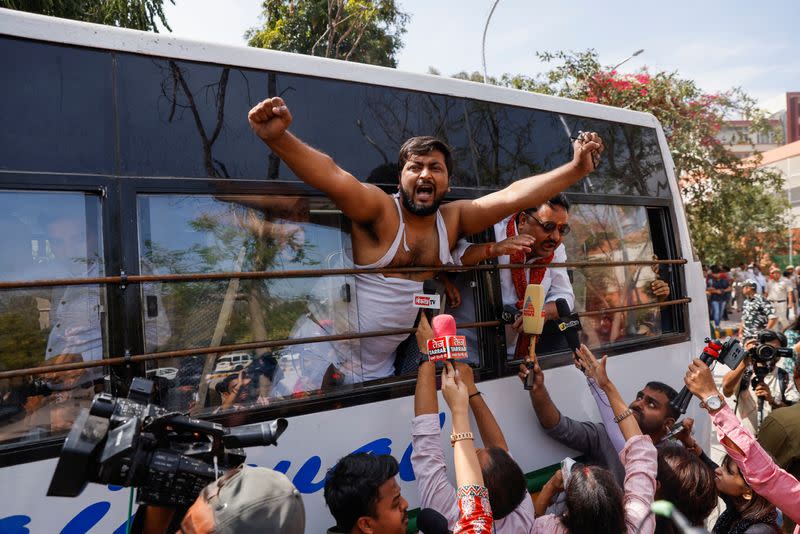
column 475, row 215
column 362, row 203
column 425, row 399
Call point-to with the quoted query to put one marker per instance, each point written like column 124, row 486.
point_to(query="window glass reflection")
column 183, row 234
column 49, row 236
column 189, row 118
column 613, row 234
column 57, row 108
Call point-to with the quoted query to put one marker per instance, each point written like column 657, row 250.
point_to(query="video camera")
column 729, row 353
column 167, row 456
column 763, row 353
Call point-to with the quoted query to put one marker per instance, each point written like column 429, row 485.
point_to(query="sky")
column 719, row 45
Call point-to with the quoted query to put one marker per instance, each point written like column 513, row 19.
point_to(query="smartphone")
column 676, row 428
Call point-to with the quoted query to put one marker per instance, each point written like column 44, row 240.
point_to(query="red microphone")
column 446, row 345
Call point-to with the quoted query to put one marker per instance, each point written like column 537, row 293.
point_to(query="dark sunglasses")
column 550, row 226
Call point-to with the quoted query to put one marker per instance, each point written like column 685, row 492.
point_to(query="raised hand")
column 700, row 381
column 454, row 390
column 423, row 334
column 660, row 289
column 270, row 118
column 467, row 376
column 538, row 377
column 588, row 147
column 518, row 243
column 594, row 368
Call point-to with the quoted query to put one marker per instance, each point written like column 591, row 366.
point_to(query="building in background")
column 786, row 160
column 792, row 117
column 744, row 143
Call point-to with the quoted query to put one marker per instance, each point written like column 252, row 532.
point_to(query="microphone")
column 667, row 509
column 429, row 521
column 532, row 322
column 446, row 345
column 569, row 324
column 533, row 310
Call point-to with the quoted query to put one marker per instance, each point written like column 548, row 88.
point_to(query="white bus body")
column 314, row 441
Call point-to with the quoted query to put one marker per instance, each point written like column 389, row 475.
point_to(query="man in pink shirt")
column 511, row 505
column 755, row 464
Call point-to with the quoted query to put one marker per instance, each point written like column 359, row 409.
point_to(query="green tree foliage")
column 736, row 211
column 365, row 31
column 135, row 14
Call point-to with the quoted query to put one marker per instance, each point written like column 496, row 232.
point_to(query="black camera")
column 766, row 353
column 509, row 314
column 729, row 353
column 167, row 456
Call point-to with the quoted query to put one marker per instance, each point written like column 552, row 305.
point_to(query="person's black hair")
column 422, row 145
column 756, row 510
column 594, row 502
column 715, row 269
column 765, row 336
column 223, row 386
column 686, row 482
column 351, row 486
column 504, row 481
column 558, row 200
column 667, row 390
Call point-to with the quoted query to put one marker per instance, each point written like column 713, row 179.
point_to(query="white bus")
column 143, row 224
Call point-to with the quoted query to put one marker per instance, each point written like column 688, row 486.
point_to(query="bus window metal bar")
column 310, row 273
column 155, row 356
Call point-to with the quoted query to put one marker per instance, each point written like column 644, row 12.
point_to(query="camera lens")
column 765, row 352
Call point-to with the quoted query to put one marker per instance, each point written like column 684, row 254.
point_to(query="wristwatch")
column 713, row 403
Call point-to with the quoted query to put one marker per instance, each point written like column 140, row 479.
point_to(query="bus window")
column 189, row 233
column 50, row 236
column 607, row 233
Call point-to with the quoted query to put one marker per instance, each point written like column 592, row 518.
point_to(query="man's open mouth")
column 424, row 192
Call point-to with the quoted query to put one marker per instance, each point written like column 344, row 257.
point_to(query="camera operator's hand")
column 699, row 380
column 763, row 392
column 594, row 368
column 538, row 375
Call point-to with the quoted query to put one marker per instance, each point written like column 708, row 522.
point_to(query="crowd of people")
column 629, row 459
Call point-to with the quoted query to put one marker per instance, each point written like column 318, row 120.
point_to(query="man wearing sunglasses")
column 533, row 236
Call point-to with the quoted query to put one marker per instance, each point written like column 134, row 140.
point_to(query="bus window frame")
column 120, row 195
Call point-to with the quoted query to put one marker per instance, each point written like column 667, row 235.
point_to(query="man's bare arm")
column 362, row 203
column 425, row 399
column 479, row 252
column 475, row 215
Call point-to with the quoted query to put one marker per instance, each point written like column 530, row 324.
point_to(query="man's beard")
column 416, row 209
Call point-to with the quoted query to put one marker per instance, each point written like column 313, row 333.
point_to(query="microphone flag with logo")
column 446, row 345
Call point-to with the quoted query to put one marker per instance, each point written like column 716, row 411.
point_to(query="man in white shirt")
column 534, row 237
column 77, row 313
column 781, row 296
column 777, row 389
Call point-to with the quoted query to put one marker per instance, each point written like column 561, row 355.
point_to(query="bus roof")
column 70, row 32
